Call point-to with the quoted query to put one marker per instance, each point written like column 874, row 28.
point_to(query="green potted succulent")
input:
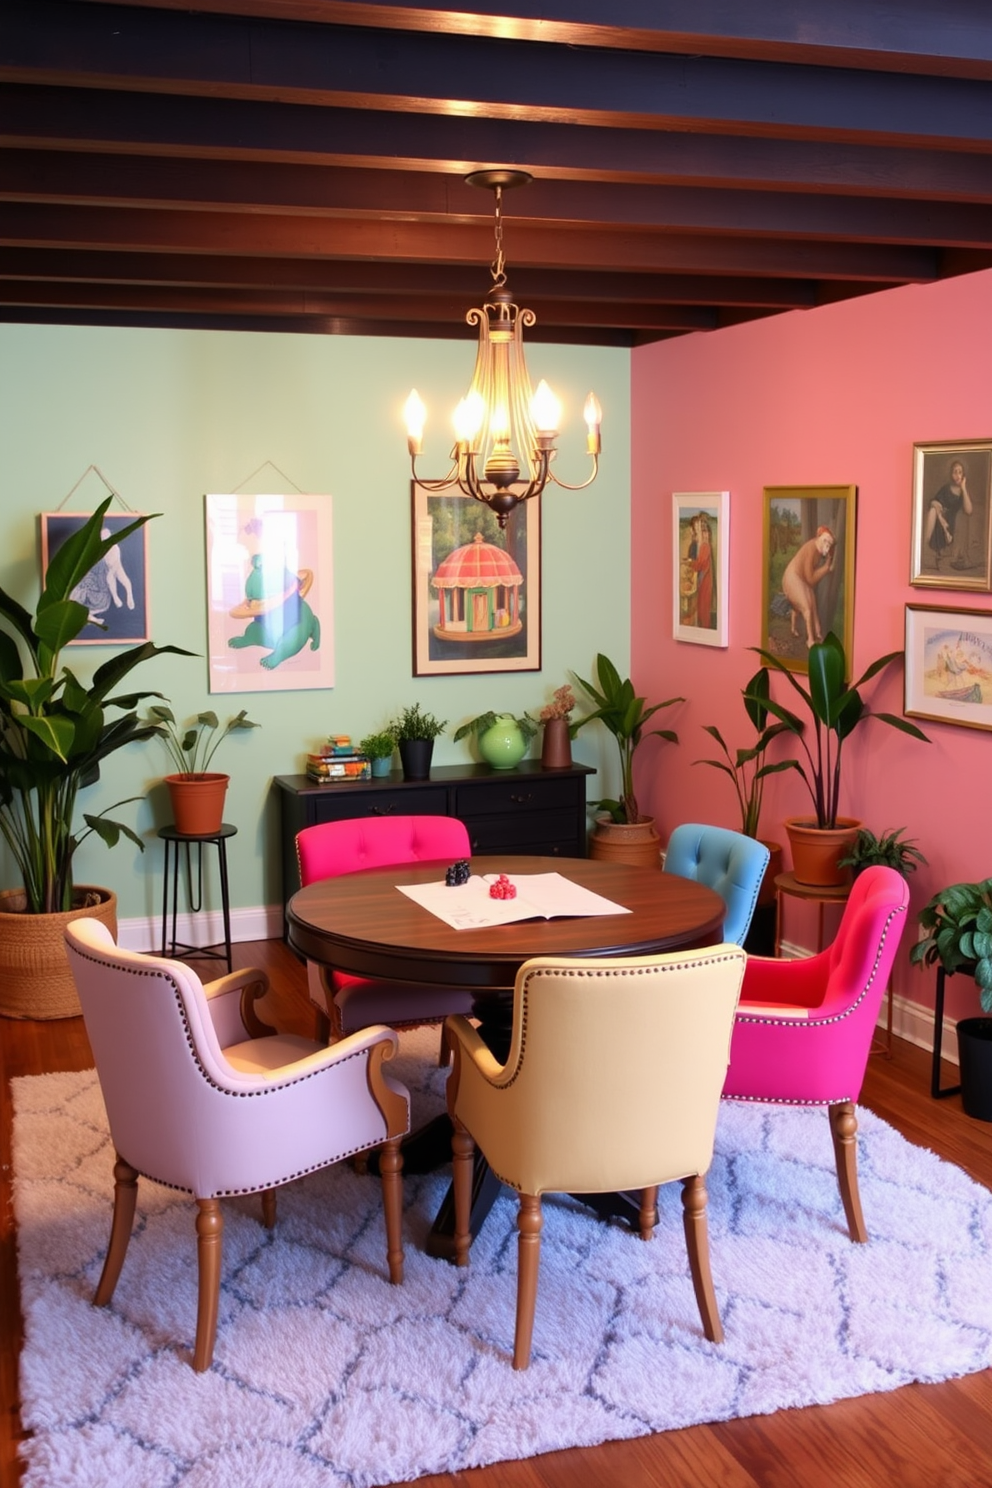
column 621, row 833
column 503, row 740
column 196, row 792
column 889, row 850
column 414, row 732
column 835, row 710
column 378, row 747
column 56, row 729
column 957, row 922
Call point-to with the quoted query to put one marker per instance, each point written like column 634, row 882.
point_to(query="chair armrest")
column 231, row 1004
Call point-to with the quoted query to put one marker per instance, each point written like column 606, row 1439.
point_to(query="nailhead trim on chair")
column 238, row 1094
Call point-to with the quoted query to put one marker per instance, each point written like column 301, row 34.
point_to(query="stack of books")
column 337, row 760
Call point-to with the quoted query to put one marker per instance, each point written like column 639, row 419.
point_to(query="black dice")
column 458, row 873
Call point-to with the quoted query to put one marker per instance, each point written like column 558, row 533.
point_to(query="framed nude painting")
column 952, row 527
column 807, row 570
column 476, row 586
column 701, row 547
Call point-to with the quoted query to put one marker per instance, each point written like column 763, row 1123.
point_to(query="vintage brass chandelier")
column 505, row 432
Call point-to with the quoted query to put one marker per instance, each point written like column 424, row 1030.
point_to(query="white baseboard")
column 204, row 929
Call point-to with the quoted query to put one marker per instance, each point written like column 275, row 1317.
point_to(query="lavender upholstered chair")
column 803, row 1029
column 202, row 1096
column 346, row 1003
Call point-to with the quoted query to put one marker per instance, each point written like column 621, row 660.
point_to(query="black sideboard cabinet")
column 524, row 810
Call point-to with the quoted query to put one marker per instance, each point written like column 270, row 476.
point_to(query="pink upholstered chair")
column 804, row 1028
column 612, row 1082
column 345, row 1003
column 202, row 1096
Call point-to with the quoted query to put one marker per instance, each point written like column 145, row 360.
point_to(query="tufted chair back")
column 726, row 861
column 348, row 846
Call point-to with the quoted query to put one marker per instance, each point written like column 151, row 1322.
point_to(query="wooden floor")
column 922, row 1436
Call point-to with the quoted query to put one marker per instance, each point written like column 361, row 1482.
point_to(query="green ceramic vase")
column 503, row 745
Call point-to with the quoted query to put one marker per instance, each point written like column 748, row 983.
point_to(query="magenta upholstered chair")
column 804, row 1028
column 344, row 1002
column 203, row 1096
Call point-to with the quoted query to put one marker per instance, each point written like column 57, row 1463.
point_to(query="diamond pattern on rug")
column 325, row 1376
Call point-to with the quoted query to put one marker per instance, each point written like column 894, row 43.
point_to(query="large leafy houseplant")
column 747, row 767
column 55, row 730
column 958, row 925
column 625, row 715
column 835, row 710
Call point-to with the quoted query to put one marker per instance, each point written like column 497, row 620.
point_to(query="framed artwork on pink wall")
column 807, row 570
column 701, row 548
column 949, row 665
column 952, row 515
column 270, row 593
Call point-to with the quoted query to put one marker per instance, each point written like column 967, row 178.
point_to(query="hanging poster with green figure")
column 270, row 593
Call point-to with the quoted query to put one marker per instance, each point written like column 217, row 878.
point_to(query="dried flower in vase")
column 560, row 706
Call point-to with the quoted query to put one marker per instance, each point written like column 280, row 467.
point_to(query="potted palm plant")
column 55, row 732
column 622, row 833
column 889, row 849
column 196, row 792
column 835, row 708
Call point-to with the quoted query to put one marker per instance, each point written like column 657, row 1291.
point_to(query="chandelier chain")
column 498, row 267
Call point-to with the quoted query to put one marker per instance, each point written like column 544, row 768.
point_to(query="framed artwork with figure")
column 701, row 548
column 115, row 591
column 807, row 570
column 952, row 526
column 270, row 593
column 948, row 676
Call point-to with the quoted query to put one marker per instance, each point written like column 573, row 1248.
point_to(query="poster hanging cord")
column 275, row 467
column 110, row 487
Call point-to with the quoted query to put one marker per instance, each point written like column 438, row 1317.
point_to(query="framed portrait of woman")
column 952, row 528
column 807, row 569
column 701, row 551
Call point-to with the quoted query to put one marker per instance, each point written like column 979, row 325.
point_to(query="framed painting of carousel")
column 476, row 586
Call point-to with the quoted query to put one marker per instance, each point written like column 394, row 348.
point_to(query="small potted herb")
column 379, row 749
column 414, row 732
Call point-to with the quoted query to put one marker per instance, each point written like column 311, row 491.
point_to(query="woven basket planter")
column 35, row 980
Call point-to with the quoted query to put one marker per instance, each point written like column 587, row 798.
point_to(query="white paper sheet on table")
column 540, row 896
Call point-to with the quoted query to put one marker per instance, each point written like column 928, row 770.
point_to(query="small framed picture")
column 949, row 665
column 115, row 591
column 952, row 530
column 476, row 586
column 701, row 548
column 807, row 570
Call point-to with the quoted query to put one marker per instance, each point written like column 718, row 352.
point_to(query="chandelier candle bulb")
column 415, row 415
column 546, row 410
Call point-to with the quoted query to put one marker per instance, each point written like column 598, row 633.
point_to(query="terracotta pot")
column 35, row 980
column 636, row 843
column 198, row 802
column 556, row 750
column 815, row 850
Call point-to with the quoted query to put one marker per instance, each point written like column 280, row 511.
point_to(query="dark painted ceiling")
column 300, row 164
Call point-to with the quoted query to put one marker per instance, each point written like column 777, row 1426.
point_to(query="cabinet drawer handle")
column 382, row 810
column 522, row 800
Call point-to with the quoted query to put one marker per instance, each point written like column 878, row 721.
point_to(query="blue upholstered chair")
column 727, row 861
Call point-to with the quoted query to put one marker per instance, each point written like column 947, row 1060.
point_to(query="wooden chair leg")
column 697, row 1243
column 390, row 1170
column 209, row 1238
column 648, row 1216
column 530, row 1222
column 462, row 1170
column 269, row 1208
column 321, row 1026
column 444, row 1053
column 125, row 1199
column 844, row 1130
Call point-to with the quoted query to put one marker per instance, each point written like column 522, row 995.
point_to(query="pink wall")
column 832, row 396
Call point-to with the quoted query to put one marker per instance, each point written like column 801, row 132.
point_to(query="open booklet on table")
column 540, row 896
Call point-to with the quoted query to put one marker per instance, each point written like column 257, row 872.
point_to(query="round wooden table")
column 361, row 923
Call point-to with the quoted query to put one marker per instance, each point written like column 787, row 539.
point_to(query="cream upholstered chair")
column 202, row 1096
column 612, row 1082
column 344, row 1002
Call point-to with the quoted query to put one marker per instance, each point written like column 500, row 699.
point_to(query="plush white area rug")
column 325, row 1375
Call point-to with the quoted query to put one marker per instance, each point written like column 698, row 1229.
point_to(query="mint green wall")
column 170, row 415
